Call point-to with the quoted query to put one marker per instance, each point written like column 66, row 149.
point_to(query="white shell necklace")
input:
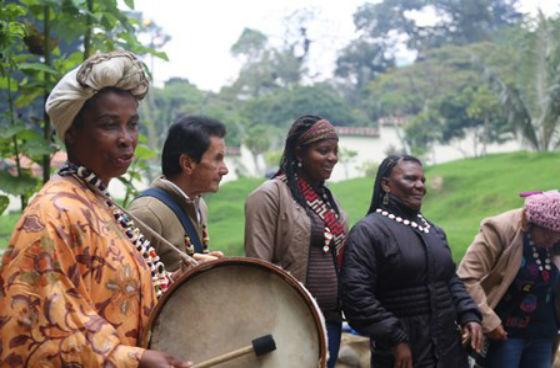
column 425, row 227
column 547, row 262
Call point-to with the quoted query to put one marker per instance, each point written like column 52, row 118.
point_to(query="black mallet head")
column 264, row 344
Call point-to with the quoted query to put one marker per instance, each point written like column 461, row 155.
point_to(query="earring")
column 299, row 164
column 386, row 199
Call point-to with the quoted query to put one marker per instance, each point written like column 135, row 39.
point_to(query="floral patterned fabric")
column 73, row 291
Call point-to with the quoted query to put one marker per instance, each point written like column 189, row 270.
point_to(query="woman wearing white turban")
column 78, row 280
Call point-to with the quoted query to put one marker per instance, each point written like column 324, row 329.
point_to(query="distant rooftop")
column 357, row 131
column 9, row 164
column 233, row 151
column 393, row 120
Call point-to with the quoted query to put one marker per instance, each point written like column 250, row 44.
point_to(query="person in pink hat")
column 511, row 271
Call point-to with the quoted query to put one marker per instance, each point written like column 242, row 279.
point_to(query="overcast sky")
column 203, row 31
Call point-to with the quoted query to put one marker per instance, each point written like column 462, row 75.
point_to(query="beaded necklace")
column 425, row 228
column 544, row 266
column 161, row 279
column 333, row 231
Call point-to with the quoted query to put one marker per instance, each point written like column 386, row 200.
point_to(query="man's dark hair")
column 190, row 135
column 384, row 171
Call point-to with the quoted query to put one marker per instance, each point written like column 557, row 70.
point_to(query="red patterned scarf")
column 335, row 234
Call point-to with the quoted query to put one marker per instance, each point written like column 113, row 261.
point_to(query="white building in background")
column 370, row 146
column 373, row 144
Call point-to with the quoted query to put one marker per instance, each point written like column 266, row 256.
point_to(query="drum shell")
column 220, row 306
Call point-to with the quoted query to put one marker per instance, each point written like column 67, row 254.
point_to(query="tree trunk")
column 22, row 198
column 89, row 30
column 476, row 136
column 47, row 123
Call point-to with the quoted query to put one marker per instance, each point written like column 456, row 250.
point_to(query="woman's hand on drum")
column 403, row 355
column 498, row 334
column 472, row 331
column 158, row 359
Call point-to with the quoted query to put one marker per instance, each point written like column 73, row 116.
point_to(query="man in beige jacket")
column 192, row 164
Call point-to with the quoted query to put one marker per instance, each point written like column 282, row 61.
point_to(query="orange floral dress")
column 73, row 290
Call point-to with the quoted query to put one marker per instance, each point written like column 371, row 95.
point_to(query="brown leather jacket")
column 277, row 228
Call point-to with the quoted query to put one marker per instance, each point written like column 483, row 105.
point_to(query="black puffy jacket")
column 399, row 285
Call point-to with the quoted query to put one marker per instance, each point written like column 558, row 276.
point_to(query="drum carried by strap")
column 221, row 306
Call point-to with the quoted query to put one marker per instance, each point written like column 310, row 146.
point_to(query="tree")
column 473, row 111
column 250, row 44
column 284, row 106
column 13, row 144
column 386, row 26
column 274, row 69
column 529, row 84
column 180, row 97
column 421, row 132
column 485, row 106
column 257, row 141
column 458, row 22
column 266, row 68
column 445, row 95
column 406, row 90
column 40, row 40
column 359, row 63
column 345, row 157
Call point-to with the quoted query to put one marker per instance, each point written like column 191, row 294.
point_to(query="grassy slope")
column 227, row 215
column 477, row 188
column 469, row 190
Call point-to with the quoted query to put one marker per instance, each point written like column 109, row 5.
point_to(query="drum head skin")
column 221, row 306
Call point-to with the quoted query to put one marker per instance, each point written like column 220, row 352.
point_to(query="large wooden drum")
column 221, row 306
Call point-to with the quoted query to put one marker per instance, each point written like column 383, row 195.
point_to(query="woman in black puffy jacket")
column 398, row 281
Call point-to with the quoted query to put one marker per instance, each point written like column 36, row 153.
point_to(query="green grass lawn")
column 226, row 215
column 460, row 194
column 476, row 188
column 466, row 192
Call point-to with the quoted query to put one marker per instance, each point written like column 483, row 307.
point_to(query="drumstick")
column 186, row 258
column 261, row 345
column 160, row 238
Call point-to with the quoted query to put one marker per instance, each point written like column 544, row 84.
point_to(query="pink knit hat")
column 543, row 209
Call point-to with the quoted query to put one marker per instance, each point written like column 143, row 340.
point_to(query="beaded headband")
column 319, row 131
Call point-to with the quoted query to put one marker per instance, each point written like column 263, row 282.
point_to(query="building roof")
column 357, row 131
column 57, row 160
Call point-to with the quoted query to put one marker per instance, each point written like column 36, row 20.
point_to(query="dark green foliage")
column 460, row 22
column 41, row 40
column 282, row 108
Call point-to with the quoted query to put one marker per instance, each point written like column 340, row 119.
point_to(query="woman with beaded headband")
column 398, row 281
column 294, row 221
column 511, row 271
column 78, row 280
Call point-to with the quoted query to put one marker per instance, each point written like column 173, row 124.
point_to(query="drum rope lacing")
column 161, row 279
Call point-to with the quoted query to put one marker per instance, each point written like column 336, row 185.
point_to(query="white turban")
column 119, row 69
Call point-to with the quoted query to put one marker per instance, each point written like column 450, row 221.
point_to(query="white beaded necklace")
column 160, row 277
column 425, row 228
column 547, row 261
